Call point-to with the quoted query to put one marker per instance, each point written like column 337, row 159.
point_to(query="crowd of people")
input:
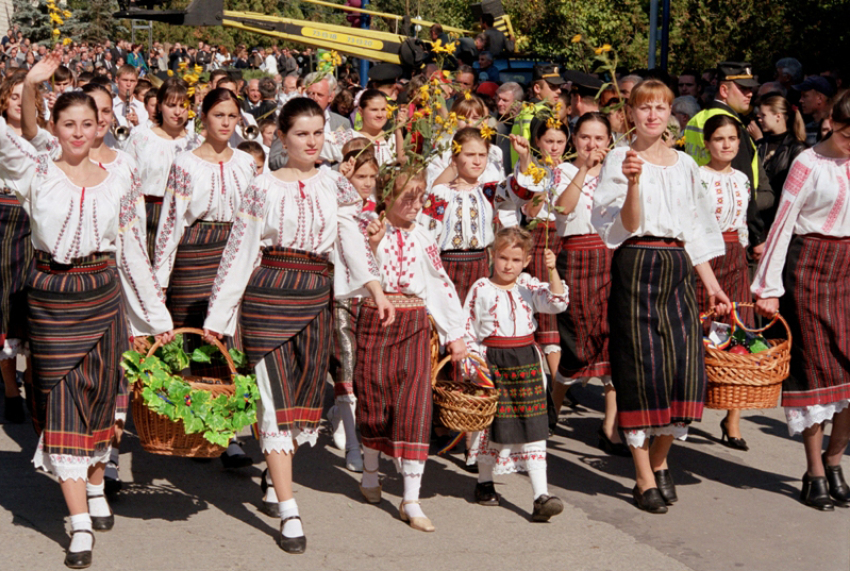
column 554, row 235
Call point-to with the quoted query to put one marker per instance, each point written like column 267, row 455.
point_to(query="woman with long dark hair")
column 83, row 219
column 275, row 283
column 805, row 273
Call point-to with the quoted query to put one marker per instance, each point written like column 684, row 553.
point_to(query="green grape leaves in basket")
column 165, row 392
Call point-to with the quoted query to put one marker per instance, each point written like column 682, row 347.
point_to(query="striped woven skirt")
column 732, row 273
column 77, row 327
column 15, row 263
column 187, row 298
column 153, row 208
column 286, row 330
column 464, row 268
column 585, row 265
column 658, row 367
column 345, row 335
column 392, row 379
column 547, row 323
column 816, row 305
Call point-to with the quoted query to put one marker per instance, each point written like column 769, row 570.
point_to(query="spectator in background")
column 685, row 107
column 465, row 79
column 487, row 71
column 437, row 33
column 689, row 84
column 789, row 72
column 252, row 103
column 626, row 84
column 816, row 94
column 270, row 64
column 771, row 87
column 289, row 89
column 496, row 41
column 137, row 59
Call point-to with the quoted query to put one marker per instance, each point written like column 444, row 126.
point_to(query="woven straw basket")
column 463, row 406
column 160, row 435
column 748, row 381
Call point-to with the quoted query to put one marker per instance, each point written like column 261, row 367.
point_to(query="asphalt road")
column 736, row 510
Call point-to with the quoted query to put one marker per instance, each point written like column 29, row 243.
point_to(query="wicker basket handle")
column 739, row 323
column 448, row 358
column 219, row 345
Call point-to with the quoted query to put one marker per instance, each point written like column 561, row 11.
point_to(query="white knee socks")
column 270, row 496
column 539, row 484
column 293, row 527
column 98, row 507
column 81, row 541
column 345, row 409
column 370, row 468
column 485, row 472
column 411, row 471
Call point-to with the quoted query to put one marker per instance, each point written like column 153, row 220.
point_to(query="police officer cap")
column 583, row 83
column 740, row 72
column 548, row 72
column 385, row 73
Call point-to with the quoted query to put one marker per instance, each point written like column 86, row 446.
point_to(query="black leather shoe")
column 838, row 488
column 650, row 501
column 292, row 544
column 485, row 494
column 102, row 523
column 236, row 460
column 666, row 487
column 816, row 493
column 14, row 411
column 729, row 442
column 271, row 509
column 612, row 448
column 546, row 507
column 80, row 559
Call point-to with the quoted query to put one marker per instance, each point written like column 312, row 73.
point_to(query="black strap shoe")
column 729, row 441
column 816, row 493
column 650, row 501
column 271, row 509
column 485, row 494
column 612, row 448
column 79, row 559
column 102, row 523
column 292, row 544
column 545, row 507
column 664, row 481
column 838, row 488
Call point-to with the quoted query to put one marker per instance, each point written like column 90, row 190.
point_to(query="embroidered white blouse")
column 673, row 205
column 731, row 195
column 814, row 200
column 154, row 156
column 494, row 311
column 493, row 172
column 460, row 219
column 409, row 263
column 70, row 222
column 198, row 190
column 318, row 215
column 576, row 223
column 384, row 149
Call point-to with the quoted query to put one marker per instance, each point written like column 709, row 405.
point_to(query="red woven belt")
column 508, row 342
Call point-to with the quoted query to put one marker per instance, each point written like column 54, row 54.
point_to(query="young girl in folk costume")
column 392, row 376
column 274, row 282
column 551, row 142
column 584, row 262
column 82, row 229
column 500, row 323
column 363, row 176
column 470, row 112
column 805, row 272
column 155, row 148
column 729, row 190
column 459, row 215
column 373, row 109
column 15, row 254
column 112, row 160
column 204, row 190
column 651, row 207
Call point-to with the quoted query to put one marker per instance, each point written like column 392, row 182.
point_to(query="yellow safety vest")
column 695, row 145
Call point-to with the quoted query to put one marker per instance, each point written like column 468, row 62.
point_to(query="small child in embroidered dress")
column 500, row 323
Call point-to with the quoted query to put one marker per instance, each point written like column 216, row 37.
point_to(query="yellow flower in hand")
column 547, row 160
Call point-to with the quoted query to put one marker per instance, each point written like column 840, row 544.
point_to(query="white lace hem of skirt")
column 636, row 438
column 66, row 467
column 507, row 458
column 285, row 440
column 799, row 418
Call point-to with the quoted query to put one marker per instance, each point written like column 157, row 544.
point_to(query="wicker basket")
column 458, row 406
column 160, row 435
column 748, row 381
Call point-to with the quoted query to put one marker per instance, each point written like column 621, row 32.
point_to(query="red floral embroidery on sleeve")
column 435, row 207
